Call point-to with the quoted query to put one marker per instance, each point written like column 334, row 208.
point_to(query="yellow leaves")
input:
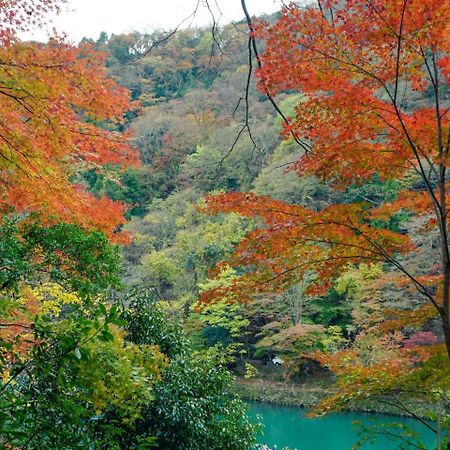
column 224, row 314
column 334, row 339
column 52, row 298
column 119, row 374
column 303, row 338
column 185, row 65
column 242, row 69
column 160, row 266
column 352, row 280
column 5, row 376
column 250, row 371
column 226, row 277
column 224, row 311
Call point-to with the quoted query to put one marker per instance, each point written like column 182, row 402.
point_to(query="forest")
column 198, row 219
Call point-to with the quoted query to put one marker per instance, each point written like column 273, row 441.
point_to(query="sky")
column 87, row 18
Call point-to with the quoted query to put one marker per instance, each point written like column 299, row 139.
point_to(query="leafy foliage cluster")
column 81, row 371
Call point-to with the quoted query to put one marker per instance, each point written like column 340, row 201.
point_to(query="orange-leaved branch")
column 57, row 108
column 292, row 240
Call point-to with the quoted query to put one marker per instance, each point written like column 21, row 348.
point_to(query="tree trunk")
column 444, row 308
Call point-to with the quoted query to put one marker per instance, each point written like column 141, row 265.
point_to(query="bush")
column 195, row 407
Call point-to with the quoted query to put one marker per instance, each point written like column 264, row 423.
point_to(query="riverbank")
column 281, row 393
column 310, row 395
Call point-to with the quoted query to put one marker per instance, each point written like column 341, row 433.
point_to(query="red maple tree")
column 374, row 77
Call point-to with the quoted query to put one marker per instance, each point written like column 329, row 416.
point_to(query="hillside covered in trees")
column 179, row 213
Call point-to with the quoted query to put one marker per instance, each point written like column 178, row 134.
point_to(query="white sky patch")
column 87, row 18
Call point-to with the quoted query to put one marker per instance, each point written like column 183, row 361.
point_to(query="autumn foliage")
column 373, row 76
column 293, row 240
column 58, row 112
column 22, row 15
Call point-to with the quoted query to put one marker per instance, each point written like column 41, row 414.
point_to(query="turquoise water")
column 288, row 427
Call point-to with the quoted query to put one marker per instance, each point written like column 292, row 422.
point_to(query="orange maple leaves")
column 359, row 64
column 291, row 240
column 57, row 110
column 372, row 74
column 373, row 77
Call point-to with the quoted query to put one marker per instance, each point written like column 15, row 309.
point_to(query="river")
column 286, row 426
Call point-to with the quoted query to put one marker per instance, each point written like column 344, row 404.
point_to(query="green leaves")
column 80, row 260
column 147, row 324
column 80, row 385
column 195, row 406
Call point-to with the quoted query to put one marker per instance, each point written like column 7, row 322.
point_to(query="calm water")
column 286, row 426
